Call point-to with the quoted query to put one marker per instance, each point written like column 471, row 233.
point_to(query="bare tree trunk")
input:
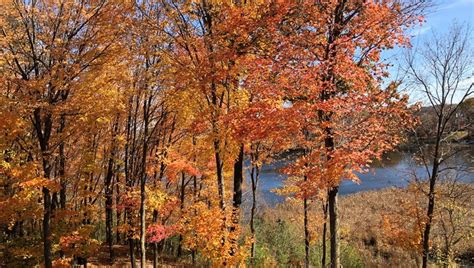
column 62, row 169
column 333, row 226
column 146, row 108
column 254, row 176
column 183, row 191
column 108, row 221
column 431, row 204
column 62, row 165
column 155, row 245
column 129, row 155
column 325, row 214
column 195, row 199
column 109, row 189
column 46, row 228
column 237, row 195
column 43, row 131
column 131, row 248
column 119, row 215
column 220, row 178
column 306, row 233
column 238, row 179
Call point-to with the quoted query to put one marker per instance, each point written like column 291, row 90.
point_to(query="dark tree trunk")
column 129, row 156
column 431, row 202
column 330, row 56
column 46, row 228
column 183, row 192
column 215, row 105
column 109, row 218
column 109, row 189
column 254, row 176
column 43, row 127
column 62, row 165
column 325, row 214
column 131, row 247
column 220, row 178
column 119, row 215
column 238, row 179
column 155, row 245
column 306, row 233
column 237, row 195
column 195, row 198
column 333, row 226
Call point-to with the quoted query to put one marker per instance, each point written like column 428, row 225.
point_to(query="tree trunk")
column 146, row 122
column 254, row 176
column 306, row 233
column 109, row 189
column 333, row 226
column 155, row 245
column 46, row 228
column 128, row 165
column 237, row 195
column 207, row 17
column 119, row 215
column 43, row 131
column 143, row 182
column 195, row 199
column 108, row 226
column 220, row 178
column 62, row 165
column 108, row 207
column 431, row 205
column 330, row 77
column 131, row 248
column 183, row 191
column 238, row 179
column 325, row 214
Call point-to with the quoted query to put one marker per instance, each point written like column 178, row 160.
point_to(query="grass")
column 365, row 239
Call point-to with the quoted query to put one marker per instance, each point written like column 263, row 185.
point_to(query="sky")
column 438, row 19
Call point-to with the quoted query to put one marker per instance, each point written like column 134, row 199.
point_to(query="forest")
column 137, row 132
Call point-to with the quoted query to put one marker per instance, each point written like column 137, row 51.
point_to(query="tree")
column 50, row 49
column 441, row 73
column 146, row 112
column 327, row 66
column 210, row 44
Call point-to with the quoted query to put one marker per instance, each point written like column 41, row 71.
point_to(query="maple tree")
column 327, row 66
column 50, row 50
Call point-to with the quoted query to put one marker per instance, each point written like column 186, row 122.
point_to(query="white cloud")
column 420, row 30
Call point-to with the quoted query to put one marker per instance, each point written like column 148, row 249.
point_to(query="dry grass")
column 362, row 224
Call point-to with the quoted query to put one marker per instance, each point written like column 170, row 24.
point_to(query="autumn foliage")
column 129, row 123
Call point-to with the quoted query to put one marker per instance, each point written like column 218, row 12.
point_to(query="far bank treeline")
column 129, row 123
column 460, row 128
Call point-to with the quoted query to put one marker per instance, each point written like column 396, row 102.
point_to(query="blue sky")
column 444, row 13
column 439, row 19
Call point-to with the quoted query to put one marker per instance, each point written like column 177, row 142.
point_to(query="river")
column 395, row 169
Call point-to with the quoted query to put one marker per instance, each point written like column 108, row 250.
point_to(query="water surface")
column 396, row 169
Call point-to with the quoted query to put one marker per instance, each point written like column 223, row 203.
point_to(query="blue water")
column 396, row 169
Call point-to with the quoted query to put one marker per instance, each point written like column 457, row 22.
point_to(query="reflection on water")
column 395, row 169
